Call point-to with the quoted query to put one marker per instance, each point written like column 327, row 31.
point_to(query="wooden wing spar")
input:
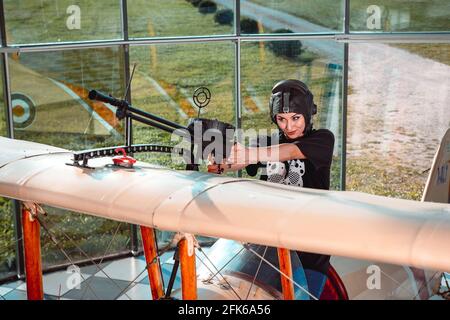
column 341, row 223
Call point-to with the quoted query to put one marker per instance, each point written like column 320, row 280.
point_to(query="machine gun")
column 221, row 134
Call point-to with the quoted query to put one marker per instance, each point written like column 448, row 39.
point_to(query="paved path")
column 274, row 19
column 399, row 102
column 399, row 106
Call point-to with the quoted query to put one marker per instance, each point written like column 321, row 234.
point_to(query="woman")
column 302, row 157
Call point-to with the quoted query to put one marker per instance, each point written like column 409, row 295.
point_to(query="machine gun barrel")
column 124, row 109
column 216, row 127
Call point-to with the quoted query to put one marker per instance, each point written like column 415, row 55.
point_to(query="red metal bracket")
column 123, row 160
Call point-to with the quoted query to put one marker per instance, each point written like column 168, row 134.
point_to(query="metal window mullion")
column 134, row 241
column 126, row 51
column 347, row 17
column 237, row 66
column 238, row 113
column 5, row 76
column 237, row 18
column 3, row 25
column 7, row 96
column 343, row 175
column 16, row 212
column 124, row 18
column 431, row 37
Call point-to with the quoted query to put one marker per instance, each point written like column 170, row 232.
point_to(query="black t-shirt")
column 318, row 149
column 312, row 172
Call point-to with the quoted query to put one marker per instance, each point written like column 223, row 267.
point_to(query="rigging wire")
column 232, row 258
column 13, row 243
column 426, row 283
column 106, row 251
column 218, row 272
column 400, row 285
column 246, row 246
column 53, row 238
column 257, row 272
column 155, row 259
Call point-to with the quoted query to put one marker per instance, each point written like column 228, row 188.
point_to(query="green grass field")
column 7, row 244
column 44, row 21
column 380, row 177
column 423, row 16
column 180, row 69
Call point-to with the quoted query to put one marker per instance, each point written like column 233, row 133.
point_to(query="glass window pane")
column 49, row 93
column 397, row 114
column 7, row 243
column 266, row 63
column 82, row 237
column 7, row 240
column 62, row 20
column 165, row 81
column 153, row 18
column 286, row 16
column 7, row 237
column 3, row 118
column 50, row 105
column 399, row 15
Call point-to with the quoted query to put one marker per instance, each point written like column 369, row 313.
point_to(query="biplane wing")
column 342, row 223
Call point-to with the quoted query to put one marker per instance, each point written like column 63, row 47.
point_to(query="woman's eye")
column 296, row 118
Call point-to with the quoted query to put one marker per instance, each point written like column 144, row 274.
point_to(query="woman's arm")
column 241, row 156
column 223, row 167
column 280, row 152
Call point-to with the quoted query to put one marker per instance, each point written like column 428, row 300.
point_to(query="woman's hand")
column 239, row 155
column 236, row 161
column 219, row 168
column 213, row 167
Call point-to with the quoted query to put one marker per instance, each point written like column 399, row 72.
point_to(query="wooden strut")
column 284, row 258
column 153, row 269
column 188, row 271
column 33, row 263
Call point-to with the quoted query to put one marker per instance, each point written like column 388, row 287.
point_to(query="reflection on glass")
column 247, row 265
column 180, row 18
column 7, row 243
column 3, row 121
column 397, row 114
column 318, row 63
column 399, row 16
column 50, row 102
column 164, row 83
column 32, row 21
column 49, row 97
column 286, row 16
column 82, row 237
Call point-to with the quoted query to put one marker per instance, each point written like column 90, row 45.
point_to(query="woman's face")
column 292, row 124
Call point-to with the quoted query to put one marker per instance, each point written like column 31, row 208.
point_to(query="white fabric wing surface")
column 350, row 224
